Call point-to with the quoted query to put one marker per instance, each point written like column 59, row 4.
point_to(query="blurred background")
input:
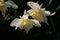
column 51, row 32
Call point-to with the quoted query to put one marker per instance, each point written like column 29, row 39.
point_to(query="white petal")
column 3, row 14
column 53, row 13
column 16, row 28
column 7, row 5
column 43, row 9
column 46, row 21
column 33, row 5
column 47, row 13
column 14, row 22
column 11, row 4
column 27, row 30
column 29, row 11
column 35, row 23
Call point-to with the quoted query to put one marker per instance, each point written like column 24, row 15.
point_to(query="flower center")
column 38, row 15
column 26, row 24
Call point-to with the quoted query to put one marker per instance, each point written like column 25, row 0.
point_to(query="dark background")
column 51, row 32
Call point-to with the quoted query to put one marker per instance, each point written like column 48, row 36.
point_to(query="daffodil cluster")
column 25, row 23
column 37, row 12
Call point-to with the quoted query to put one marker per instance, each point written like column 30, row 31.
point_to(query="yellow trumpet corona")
column 38, row 15
column 25, row 24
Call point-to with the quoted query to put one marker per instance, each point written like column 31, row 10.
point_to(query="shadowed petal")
column 7, row 5
column 10, row 3
column 35, row 23
column 3, row 14
column 45, row 20
column 27, row 30
column 29, row 11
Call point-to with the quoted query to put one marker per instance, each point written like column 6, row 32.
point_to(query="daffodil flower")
column 38, row 13
column 4, row 5
column 24, row 23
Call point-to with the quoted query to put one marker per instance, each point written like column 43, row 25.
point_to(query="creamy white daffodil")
column 4, row 5
column 38, row 13
column 24, row 23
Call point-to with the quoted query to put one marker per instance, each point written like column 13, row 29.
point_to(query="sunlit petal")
column 33, row 5
column 14, row 22
column 48, row 13
column 43, row 9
